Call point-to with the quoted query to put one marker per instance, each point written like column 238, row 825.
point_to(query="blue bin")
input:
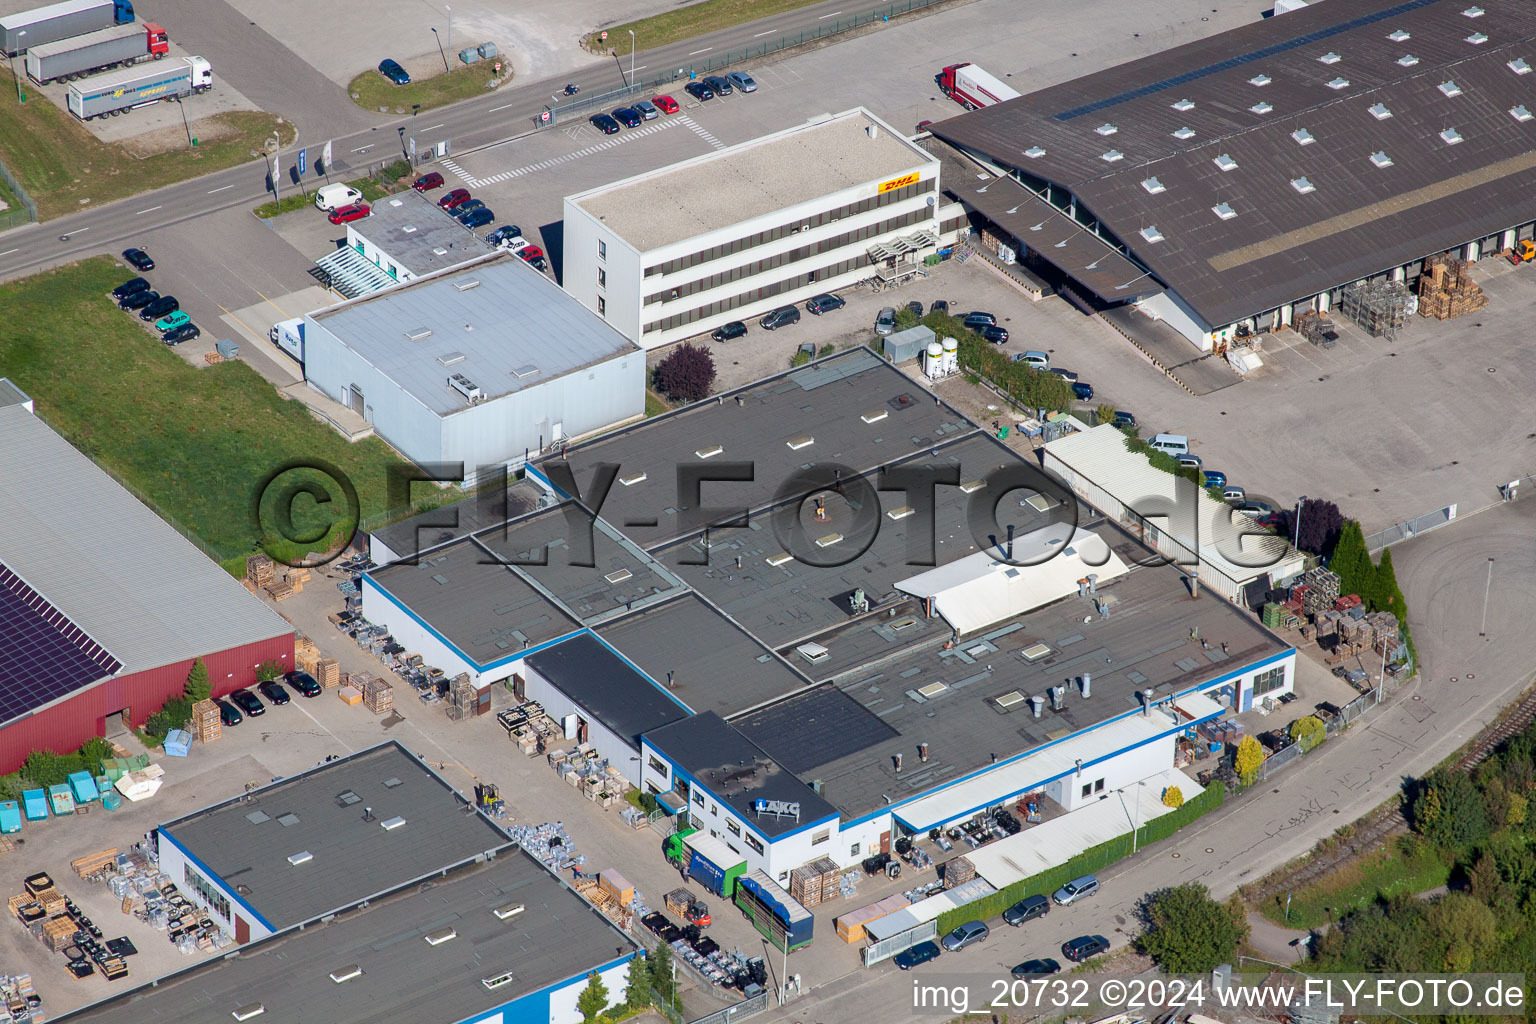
column 111, row 800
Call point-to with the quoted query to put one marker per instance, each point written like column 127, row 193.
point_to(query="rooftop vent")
column 1106, row 129
column 302, row 857
column 419, row 333
column 1450, row 136
column 1519, row 66
column 1407, row 60
column 288, row 820
column 390, row 824
column 1380, row 111
column 1302, row 185
column 1400, row 36
column 709, row 451
column 1303, row 137
column 1111, row 156
column 874, row 415
column 1184, row 134
column 466, row 285
column 972, row 486
column 507, row 910
column 800, row 441
column 1154, row 186
column 1225, row 162
column 347, row 973
column 630, row 479
column 813, row 652
column 409, row 229
column 1034, row 652
column 449, row 358
column 248, row 1011
column 1183, row 105
column 782, row 558
column 438, row 250
column 1011, row 699
column 392, row 782
column 1034, row 152
column 1339, row 83
column 933, row 690
column 497, row 980
column 1261, row 108
column 1477, row 39
column 1260, row 80
column 1224, row 211
column 1450, row 88
column 1520, row 113
column 616, row 578
column 829, row 540
column 1151, row 234
column 257, row 817
column 466, row 387
column 898, row 514
column 1330, row 58
column 525, row 371
column 1381, row 159
column 396, row 202
column 440, row 936
column 1473, row 12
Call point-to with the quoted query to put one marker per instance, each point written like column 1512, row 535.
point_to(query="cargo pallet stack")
column 1380, row 309
column 259, row 572
column 805, row 885
column 206, row 724
column 305, row 653
column 1315, row 327
column 1322, row 591
column 327, row 672
column 378, row 696
column 1446, row 289
column 958, row 871
column 296, row 578
column 20, row 999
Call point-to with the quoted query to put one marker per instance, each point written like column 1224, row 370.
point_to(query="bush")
column 1309, row 732
column 45, row 768
column 826, row 350
column 1189, row 932
column 1026, row 387
column 687, row 374
column 1173, row 796
column 198, row 686
column 800, row 359
column 176, row 713
column 1248, row 760
column 269, row 670
column 397, row 170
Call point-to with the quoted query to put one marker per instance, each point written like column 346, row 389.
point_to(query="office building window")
column 698, row 797
column 1267, row 681
column 602, row 250
column 602, row 306
column 853, row 851
column 713, row 809
column 817, row 838
column 1098, row 787
column 753, row 842
column 733, row 828
column 658, row 766
column 1088, row 789
column 217, row 903
column 602, row 278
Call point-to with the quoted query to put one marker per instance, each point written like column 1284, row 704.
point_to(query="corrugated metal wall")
column 64, row 727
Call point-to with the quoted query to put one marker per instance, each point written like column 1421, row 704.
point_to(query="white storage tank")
column 951, row 356
column 933, row 361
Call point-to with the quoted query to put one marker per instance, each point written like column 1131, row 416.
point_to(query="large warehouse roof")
column 123, row 579
column 1274, row 161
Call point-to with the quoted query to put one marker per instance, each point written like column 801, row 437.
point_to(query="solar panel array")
column 43, row 654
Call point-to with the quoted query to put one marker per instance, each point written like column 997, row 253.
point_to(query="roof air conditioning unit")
column 466, row 387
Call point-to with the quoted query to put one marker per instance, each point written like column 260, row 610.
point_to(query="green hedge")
column 1091, row 860
column 1026, row 386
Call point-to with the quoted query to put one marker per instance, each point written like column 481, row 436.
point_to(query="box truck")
column 79, row 56
column 122, row 90
column 288, row 335
column 18, row 32
column 973, row 87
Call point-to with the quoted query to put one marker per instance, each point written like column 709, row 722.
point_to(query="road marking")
column 706, row 49
column 824, row 17
column 363, row 149
column 432, row 128
column 221, row 188
column 152, row 209
column 493, row 110
column 768, row 33
column 9, row 251
column 642, row 67
column 79, row 231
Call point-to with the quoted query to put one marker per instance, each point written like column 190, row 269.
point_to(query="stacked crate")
column 279, row 591
column 805, row 885
column 829, row 876
column 378, row 696
column 58, row 932
column 958, row 871
column 327, row 672
column 260, row 571
column 1446, row 289
column 305, row 653
column 1322, row 590
column 296, row 578
column 206, row 724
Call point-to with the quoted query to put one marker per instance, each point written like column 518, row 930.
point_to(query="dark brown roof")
column 1283, row 243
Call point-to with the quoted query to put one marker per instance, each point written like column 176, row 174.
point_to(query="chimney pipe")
column 1057, row 694
column 873, row 131
column 1082, row 587
column 739, row 401
column 1087, row 685
column 1194, row 583
column 670, row 683
column 1093, row 583
column 1146, row 703
column 922, row 752
column 1038, row 702
column 898, row 764
column 1010, row 542
column 1079, row 766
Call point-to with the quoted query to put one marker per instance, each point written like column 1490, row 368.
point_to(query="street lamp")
column 277, row 147
column 184, row 123
column 1296, row 538
column 631, row 56
column 441, row 52
column 11, row 57
column 411, row 156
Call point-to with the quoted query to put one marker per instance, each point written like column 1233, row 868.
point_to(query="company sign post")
column 302, row 154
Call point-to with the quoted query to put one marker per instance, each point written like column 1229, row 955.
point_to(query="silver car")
column 646, row 109
column 742, row 81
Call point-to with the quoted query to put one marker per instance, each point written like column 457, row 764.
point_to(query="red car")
column 357, row 211
column 530, row 252
column 666, row 104
column 457, row 197
column 428, row 182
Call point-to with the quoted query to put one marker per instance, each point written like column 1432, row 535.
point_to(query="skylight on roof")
column 1151, row 234
column 1380, row 111
column 1112, row 156
column 1261, row 108
column 1302, row 185
column 1260, row 80
column 1224, row 211
column 1400, row 36
column 1330, row 58
column 1034, row 152
column 1225, row 162
column 1381, row 159
column 1184, row 133
column 1339, row 83
column 1183, row 105
column 1303, row 137
column 1477, row 39
column 1407, row 60
column 1450, row 88
column 1154, row 186
column 1520, row 113
column 1473, row 12
column 1519, row 66
column 1450, row 136
column 1106, row 129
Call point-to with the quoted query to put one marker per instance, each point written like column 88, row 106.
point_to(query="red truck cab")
column 158, row 43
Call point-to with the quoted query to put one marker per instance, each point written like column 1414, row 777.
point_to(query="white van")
column 333, row 197
column 1171, row 444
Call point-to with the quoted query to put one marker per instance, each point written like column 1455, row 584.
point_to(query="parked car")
column 1082, row 392
column 157, row 309
column 477, row 218
column 742, row 81
column 454, row 198
column 915, row 307
column 1036, row 360
column 666, row 104
column 1272, row 521
column 917, row 955
column 604, row 123
column 172, row 320
column 274, row 692
column 530, row 252
column 824, row 303
column 467, row 205
column 1215, row 478
column 976, row 320
column 1077, row 889
column 138, row 259
column 646, row 109
column 1027, row 909
column 719, row 86
column 505, row 233
column 228, row 713
column 248, row 702
column 305, row 683
column 128, row 287
column 939, row 306
column 969, row 934
column 1084, row 946
column 335, row 196
column 729, row 332
column 1125, row 420
column 1256, row 509
column 391, row 69
column 996, row 335
column 1035, row 968
column 347, row 214
column 628, row 117
column 177, row 335
column 699, row 91
column 138, row 299
column 781, row 317
column 1189, row 461
column 1233, row 494
column 427, row 182
column 885, row 322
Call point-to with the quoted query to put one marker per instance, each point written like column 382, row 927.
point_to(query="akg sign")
column 782, row 808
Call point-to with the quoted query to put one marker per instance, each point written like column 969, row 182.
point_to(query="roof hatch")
column 1154, row 186
column 441, row 936
column 1224, row 211
column 1034, row 152
column 1184, row 134
column 347, row 973
column 419, row 333
column 1225, row 162
column 1302, row 185
column 1303, row 137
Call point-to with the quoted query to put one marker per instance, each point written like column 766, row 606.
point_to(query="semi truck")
column 19, row 32
column 79, row 56
column 114, row 93
column 973, row 87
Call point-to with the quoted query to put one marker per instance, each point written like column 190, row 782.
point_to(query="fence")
column 1410, row 528
column 878, row 952
column 749, row 1007
column 14, row 218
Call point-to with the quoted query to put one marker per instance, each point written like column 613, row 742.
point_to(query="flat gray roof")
column 437, row 526
column 418, row 234
column 825, row 155
column 10, row 394
column 486, row 610
column 246, row 841
column 557, row 936
column 496, row 321
column 586, row 670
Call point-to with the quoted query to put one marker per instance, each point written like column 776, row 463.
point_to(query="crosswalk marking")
column 473, row 181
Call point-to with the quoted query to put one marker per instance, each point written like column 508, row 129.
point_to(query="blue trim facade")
column 679, row 773
column 217, row 879
column 538, row 1006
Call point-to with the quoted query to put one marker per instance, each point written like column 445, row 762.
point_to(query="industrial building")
column 1230, row 183
column 406, row 236
column 805, row 661
column 675, row 252
column 483, row 364
column 104, row 606
column 368, row 882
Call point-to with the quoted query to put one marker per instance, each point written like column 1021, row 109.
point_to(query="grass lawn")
column 65, row 167
column 394, row 179
column 371, row 90
column 1355, row 884
column 687, row 22
column 655, row 405
column 197, row 442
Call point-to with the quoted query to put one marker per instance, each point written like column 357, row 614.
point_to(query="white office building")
column 406, row 236
column 675, row 252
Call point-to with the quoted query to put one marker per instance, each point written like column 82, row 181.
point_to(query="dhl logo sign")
column 901, row 182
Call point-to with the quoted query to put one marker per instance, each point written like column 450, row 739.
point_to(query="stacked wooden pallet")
column 83, row 866
column 328, row 672
column 958, row 872
column 805, row 886
column 58, row 932
column 296, row 578
column 213, row 358
column 207, row 726
column 305, row 654
column 378, row 696
column 260, row 571
column 279, row 591
column 1446, row 289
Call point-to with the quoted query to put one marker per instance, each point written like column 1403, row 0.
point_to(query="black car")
column 177, row 335
column 302, row 681
column 729, row 332
column 699, row 91
column 391, row 69
column 781, row 317
column 996, row 335
column 824, row 303
column 138, row 299
column 627, row 117
column 161, row 306
column 976, row 320
column 228, row 713
column 1124, row 420
column 128, row 287
column 138, row 259
column 1027, row 909
column 939, row 306
column 917, row 955
column 604, row 123
column 916, row 307
column 1035, row 968
column 248, row 702
column 274, row 692
column 719, row 86
column 505, row 233
column 1084, row 946
column 1082, row 392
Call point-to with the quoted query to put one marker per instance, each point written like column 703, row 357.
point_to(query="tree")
column 198, row 686
column 1105, row 413
column 1188, row 931
column 1385, row 595
column 687, row 374
column 1321, row 525
column 1352, row 562
column 1250, row 757
column 269, row 670
column 1173, row 796
column 1308, row 731
column 637, row 984
column 1448, row 809
column 661, row 972
column 593, row 999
